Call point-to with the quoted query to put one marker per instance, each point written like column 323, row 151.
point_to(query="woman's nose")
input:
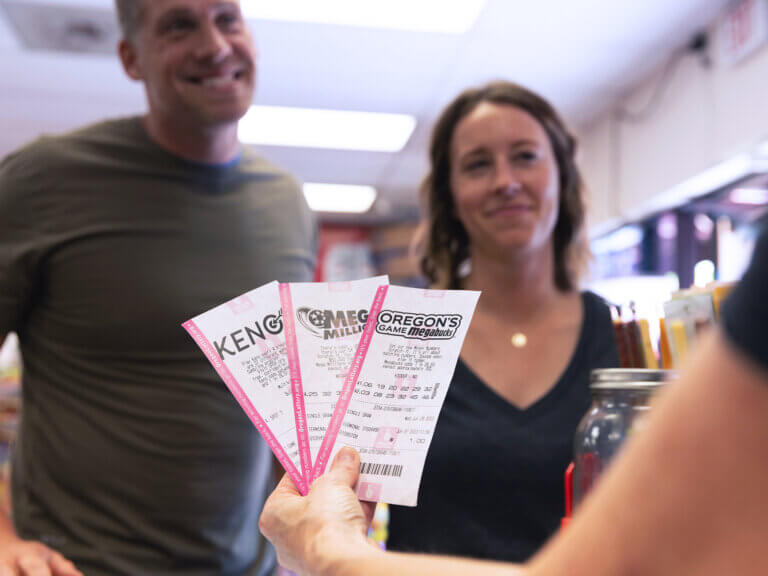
column 506, row 180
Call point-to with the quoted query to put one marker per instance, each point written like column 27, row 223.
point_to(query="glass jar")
column 620, row 402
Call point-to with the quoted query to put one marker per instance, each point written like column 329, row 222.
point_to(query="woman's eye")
column 526, row 156
column 475, row 165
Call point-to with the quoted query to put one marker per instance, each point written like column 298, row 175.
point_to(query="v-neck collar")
column 555, row 392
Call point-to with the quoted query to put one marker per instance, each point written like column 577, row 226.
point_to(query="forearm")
column 688, row 494
column 374, row 562
column 7, row 532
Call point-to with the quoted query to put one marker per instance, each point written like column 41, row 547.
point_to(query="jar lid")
column 629, row 378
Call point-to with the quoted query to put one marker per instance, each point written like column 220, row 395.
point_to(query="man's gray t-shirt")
column 133, row 457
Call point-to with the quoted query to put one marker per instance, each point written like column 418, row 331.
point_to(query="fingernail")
column 346, row 455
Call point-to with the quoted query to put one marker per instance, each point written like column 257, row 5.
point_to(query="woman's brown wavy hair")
column 443, row 242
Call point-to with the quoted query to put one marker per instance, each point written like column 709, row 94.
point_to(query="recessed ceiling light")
column 666, row 227
column 335, row 129
column 455, row 17
column 339, row 197
column 749, row 196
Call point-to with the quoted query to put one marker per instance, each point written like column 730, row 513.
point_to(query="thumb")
column 346, row 467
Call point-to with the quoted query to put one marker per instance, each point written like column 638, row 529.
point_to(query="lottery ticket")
column 395, row 388
column 323, row 325
column 243, row 339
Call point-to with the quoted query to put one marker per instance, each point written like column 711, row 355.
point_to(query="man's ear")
column 130, row 60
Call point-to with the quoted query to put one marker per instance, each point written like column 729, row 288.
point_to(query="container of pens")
column 667, row 345
column 687, row 316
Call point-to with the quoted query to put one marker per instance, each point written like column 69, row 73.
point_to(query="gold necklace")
column 519, row 340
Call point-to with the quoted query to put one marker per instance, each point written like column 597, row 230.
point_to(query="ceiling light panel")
column 454, row 17
column 749, row 196
column 339, row 197
column 334, row 129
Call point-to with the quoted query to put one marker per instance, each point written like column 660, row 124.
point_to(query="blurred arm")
column 378, row 563
column 688, row 495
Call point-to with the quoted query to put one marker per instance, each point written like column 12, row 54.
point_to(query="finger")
column 283, row 495
column 286, row 486
column 62, row 567
column 346, row 467
column 7, row 571
column 374, row 544
column 33, row 566
column 369, row 509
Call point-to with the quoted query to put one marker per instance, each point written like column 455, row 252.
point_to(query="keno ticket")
column 243, row 340
column 323, row 325
column 395, row 388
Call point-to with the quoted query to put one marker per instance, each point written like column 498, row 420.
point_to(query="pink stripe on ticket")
column 349, row 384
column 297, row 386
column 246, row 405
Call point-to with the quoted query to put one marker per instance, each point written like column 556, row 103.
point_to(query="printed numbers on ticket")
column 243, row 340
column 404, row 364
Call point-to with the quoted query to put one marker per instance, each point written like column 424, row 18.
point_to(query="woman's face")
column 504, row 180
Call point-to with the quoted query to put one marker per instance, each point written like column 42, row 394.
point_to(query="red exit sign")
column 743, row 30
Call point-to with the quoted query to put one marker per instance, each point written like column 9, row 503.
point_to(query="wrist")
column 7, row 532
column 339, row 554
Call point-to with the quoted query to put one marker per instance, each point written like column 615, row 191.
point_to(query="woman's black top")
column 493, row 483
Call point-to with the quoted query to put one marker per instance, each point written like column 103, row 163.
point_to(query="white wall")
column 705, row 116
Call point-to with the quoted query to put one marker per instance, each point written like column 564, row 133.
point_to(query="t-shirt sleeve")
column 19, row 253
column 745, row 312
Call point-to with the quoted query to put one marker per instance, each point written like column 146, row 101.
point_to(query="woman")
column 690, row 523
column 655, row 513
column 506, row 216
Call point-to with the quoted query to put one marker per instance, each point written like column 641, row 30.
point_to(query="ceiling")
column 580, row 54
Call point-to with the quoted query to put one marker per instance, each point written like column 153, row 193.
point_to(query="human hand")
column 311, row 532
column 28, row 558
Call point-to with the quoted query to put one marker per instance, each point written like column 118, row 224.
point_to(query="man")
column 132, row 457
column 687, row 496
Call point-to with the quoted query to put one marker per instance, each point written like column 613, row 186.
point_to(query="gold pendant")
column 519, row 340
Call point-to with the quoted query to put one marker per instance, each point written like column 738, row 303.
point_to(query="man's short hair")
column 129, row 16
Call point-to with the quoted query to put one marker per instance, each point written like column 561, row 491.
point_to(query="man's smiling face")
column 196, row 59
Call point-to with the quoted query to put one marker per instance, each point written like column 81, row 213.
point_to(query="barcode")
column 375, row 469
